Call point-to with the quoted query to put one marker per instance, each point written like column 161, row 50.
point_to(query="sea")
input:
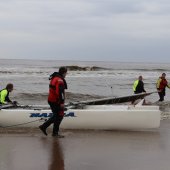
column 85, row 79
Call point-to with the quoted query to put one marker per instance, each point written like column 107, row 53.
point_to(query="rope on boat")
column 22, row 123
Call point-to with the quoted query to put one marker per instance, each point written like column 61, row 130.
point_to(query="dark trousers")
column 56, row 118
column 161, row 95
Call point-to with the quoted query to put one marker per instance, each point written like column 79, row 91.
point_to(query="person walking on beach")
column 161, row 86
column 4, row 94
column 138, row 85
column 56, row 99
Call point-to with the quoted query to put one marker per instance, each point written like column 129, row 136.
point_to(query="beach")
column 27, row 148
column 93, row 150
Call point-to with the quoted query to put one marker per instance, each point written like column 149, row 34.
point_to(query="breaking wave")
column 87, row 68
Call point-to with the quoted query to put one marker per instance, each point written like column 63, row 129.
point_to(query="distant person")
column 138, row 85
column 4, row 94
column 56, row 99
column 161, row 86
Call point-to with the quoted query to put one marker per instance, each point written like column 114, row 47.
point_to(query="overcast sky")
column 108, row 30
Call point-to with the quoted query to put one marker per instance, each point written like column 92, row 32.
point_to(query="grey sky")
column 115, row 30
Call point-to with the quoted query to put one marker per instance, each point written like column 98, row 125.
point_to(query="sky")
column 85, row 30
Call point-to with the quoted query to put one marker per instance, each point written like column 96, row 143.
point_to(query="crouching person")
column 4, row 94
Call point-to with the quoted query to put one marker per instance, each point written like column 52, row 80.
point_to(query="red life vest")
column 55, row 92
column 163, row 84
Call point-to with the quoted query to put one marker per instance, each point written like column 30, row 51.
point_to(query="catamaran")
column 93, row 114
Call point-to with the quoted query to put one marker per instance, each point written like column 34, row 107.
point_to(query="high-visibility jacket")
column 4, row 96
column 162, row 83
column 138, row 86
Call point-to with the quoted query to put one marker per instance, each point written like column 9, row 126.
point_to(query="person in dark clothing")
column 138, row 86
column 56, row 99
column 161, row 86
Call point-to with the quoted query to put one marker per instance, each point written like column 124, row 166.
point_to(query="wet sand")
column 82, row 150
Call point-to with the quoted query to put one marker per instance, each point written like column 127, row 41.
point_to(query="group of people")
column 161, row 84
column 56, row 97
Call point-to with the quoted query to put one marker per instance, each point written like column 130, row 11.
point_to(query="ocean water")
column 90, row 79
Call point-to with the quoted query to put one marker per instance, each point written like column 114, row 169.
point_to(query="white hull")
column 92, row 117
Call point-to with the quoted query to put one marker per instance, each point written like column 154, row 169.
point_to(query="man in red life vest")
column 56, row 100
column 161, row 86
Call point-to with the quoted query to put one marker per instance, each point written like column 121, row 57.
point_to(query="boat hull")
column 91, row 117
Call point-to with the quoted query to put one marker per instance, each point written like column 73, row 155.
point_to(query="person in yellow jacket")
column 4, row 94
column 161, row 85
column 138, row 85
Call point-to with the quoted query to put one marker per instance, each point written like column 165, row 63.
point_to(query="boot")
column 43, row 129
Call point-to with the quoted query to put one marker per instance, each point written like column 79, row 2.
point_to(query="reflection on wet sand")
column 99, row 150
column 92, row 150
column 57, row 160
column 19, row 152
column 24, row 152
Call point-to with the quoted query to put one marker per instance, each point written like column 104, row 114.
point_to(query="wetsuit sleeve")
column 7, row 98
column 61, row 93
column 143, row 87
column 144, row 90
